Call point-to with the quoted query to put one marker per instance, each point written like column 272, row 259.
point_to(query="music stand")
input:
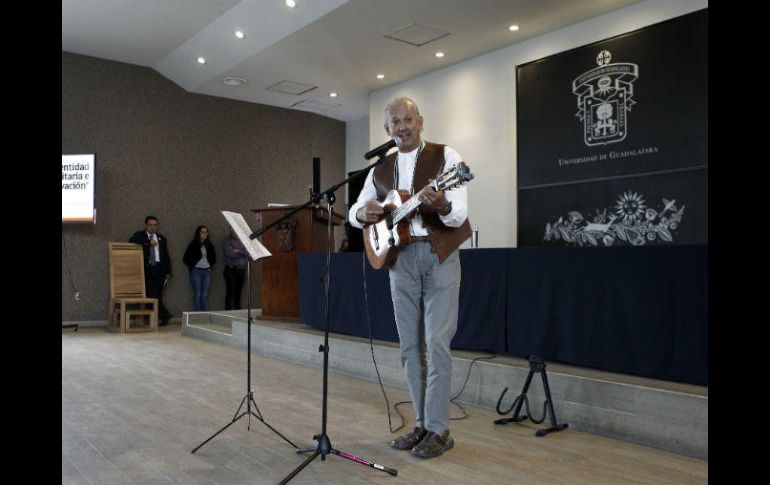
column 324, row 446
column 256, row 251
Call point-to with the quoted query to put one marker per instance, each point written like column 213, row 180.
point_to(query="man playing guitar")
column 425, row 276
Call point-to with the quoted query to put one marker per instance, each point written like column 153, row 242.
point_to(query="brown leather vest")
column 430, row 164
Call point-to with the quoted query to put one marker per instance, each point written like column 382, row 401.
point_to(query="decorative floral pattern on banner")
column 630, row 221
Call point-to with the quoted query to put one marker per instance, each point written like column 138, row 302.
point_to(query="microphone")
column 382, row 149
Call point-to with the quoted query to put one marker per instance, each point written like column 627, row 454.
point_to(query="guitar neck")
column 405, row 209
column 413, row 203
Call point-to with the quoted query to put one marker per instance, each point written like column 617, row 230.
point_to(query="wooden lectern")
column 304, row 232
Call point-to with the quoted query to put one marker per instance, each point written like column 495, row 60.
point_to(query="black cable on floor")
column 467, row 378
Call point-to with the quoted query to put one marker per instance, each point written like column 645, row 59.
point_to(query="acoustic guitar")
column 384, row 238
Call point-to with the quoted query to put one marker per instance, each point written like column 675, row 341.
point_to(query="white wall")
column 471, row 106
column 356, row 145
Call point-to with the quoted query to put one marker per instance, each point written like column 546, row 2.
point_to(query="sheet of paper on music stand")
column 241, row 228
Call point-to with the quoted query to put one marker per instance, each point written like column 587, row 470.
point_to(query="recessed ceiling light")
column 513, row 28
column 333, row 95
column 291, row 3
column 439, row 54
column 201, row 60
column 234, row 81
column 240, row 34
column 380, row 76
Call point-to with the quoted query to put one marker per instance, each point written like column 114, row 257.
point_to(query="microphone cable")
column 467, row 377
column 371, row 348
column 377, row 370
column 69, row 268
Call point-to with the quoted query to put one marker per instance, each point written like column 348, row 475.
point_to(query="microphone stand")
column 324, row 446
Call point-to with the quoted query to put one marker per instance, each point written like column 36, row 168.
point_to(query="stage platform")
column 665, row 415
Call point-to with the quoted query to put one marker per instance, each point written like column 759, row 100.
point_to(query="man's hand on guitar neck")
column 370, row 213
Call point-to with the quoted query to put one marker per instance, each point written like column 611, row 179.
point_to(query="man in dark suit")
column 157, row 263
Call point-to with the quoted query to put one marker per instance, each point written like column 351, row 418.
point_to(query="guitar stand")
column 536, row 364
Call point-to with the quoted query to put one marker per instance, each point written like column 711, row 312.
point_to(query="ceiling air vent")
column 314, row 105
column 417, row 35
column 291, row 87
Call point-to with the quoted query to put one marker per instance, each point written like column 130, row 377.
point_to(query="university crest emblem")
column 604, row 99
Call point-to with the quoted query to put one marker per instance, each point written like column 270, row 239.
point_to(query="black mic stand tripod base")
column 324, row 446
column 249, row 397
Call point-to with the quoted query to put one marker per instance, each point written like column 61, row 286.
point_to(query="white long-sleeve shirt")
column 406, row 163
column 155, row 249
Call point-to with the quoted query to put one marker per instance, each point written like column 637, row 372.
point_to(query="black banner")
column 627, row 106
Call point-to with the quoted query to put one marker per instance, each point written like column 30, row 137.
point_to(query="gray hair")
column 400, row 99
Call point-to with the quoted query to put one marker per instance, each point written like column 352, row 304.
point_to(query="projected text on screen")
column 77, row 188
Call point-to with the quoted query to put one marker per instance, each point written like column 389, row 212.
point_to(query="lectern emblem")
column 286, row 234
column 604, row 100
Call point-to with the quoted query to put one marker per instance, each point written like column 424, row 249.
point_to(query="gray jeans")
column 425, row 302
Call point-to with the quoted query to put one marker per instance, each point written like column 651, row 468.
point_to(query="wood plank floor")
column 135, row 405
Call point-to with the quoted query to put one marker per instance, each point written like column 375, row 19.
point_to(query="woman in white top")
column 200, row 258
